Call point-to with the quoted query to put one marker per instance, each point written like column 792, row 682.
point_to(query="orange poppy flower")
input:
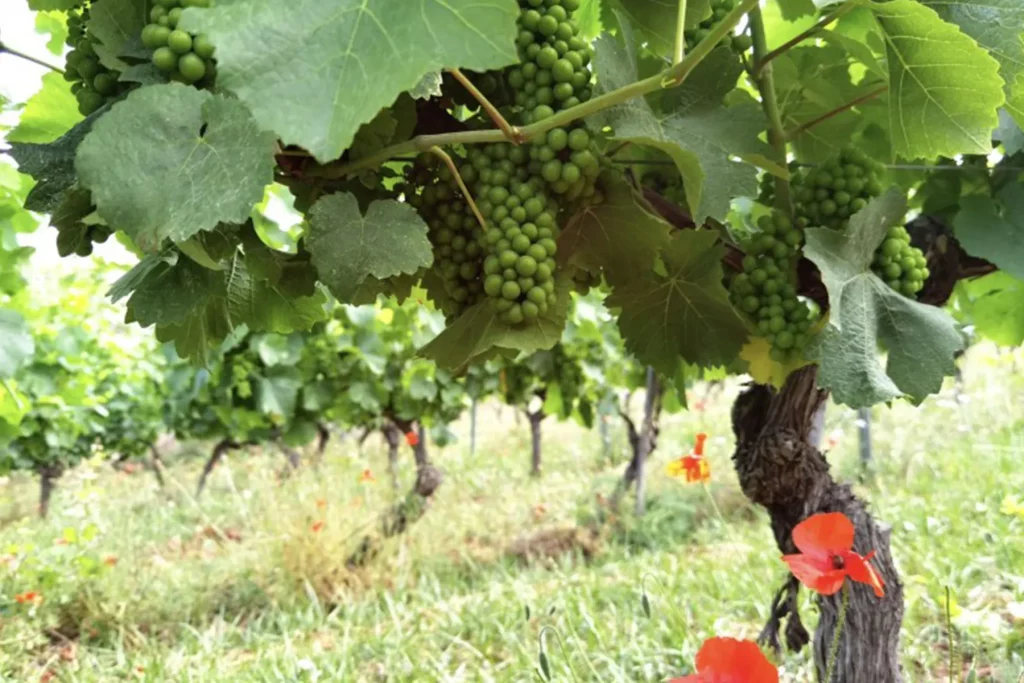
column 110, row 560
column 28, row 597
column 693, row 467
column 367, row 477
column 412, row 438
column 826, row 558
column 321, row 503
column 317, row 526
column 727, row 660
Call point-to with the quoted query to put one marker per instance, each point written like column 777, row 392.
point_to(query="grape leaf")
column 265, row 308
column 992, row 305
column 1009, row 133
column 346, row 246
column 700, row 135
column 114, row 23
column 52, row 165
column 685, row 315
column 54, row 25
column 996, row 25
column 52, row 5
column 428, row 86
column 811, row 81
column 171, row 292
column 619, row 236
column 277, row 395
column 478, row 334
column 794, row 9
column 16, row 345
column 993, row 229
column 314, row 71
column 588, row 19
column 200, row 331
column 944, row 90
column 655, row 20
column 49, row 114
column 865, row 313
column 170, row 161
column 764, row 369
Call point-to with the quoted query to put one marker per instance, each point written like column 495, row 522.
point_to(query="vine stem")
column 833, row 655
column 509, row 131
column 437, row 151
column 680, row 33
column 29, row 58
column 765, row 82
column 759, row 64
column 671, row 77
column 803, row 128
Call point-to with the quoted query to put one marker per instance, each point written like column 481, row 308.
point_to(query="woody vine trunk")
column 535, row 419
column 781, row 469
column 410, row 509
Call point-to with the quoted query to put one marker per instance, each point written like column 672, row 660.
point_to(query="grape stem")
column 671, row 77
column 765, row 82
column 803, row 128
column 847, row 6
column 680, row 33
column 438, row 152
column 29, row 58
column 511, row 132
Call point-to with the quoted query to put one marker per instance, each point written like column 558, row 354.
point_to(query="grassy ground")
column 248, row 585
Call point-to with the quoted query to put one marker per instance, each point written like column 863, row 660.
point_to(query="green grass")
column 237, row 587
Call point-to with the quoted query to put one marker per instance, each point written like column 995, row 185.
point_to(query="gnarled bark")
column 535, row 419
column 393, row 437
column 157, row 464
column 404, row 514
column 642, row 442
column 218, row 453
column 782, row 471
column 48, row 477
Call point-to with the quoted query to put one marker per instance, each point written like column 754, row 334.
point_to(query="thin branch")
column 847, row 6
column 510, row 131
column 766, row 86
column 680, row 33
column 437, row 151
column 667, row 79
column 29, row 58
column 803, row 128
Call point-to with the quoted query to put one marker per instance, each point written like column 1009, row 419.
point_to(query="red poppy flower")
column 317, row 527
column 28, row 597
column 727, row 660
column 367, row 477
column 110, row 560
column 825, row 541
column 412, row 438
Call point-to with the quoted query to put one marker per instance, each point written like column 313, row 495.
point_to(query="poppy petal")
column 824, row 533
column 728, row 659
column 695, row 678
column 816, row 572
column 698, row 447
column 858, row 569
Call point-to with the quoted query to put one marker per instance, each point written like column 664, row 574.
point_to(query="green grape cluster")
column 766, row 289
column 71, row 242
column 827, row 195
column 519, row 244
column 455, row 233
column 553, row 58
column 92, row 84
column 566, row 160
column 186, row 58
column 720, row 8
column 241, row 368
column 902, row 266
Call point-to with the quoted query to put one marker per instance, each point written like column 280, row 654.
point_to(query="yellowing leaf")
column 757, row 352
